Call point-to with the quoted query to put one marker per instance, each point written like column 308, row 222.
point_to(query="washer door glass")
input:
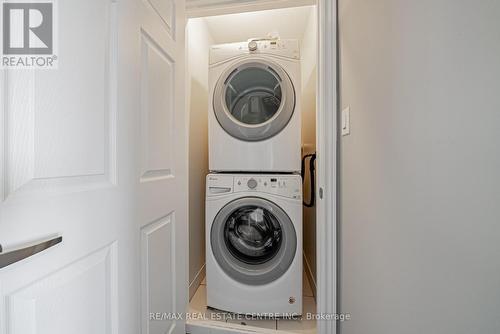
column 253, row 240
column 252, row 234
column 254, row 100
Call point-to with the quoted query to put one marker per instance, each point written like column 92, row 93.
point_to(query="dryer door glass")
column 253, row 95
column 254, row 100
column 253, row 234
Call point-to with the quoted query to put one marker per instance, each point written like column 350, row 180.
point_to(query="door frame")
column 326, row 142
column 326, row 148
column 238, row 7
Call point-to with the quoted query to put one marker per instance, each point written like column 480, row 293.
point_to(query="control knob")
column 252, row 184
column 252, row 45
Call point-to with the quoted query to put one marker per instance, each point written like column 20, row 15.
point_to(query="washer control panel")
column 288, row 186
column 283, row 185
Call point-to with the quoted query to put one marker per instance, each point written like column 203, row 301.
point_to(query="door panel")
column 159, row 259
column 158, row 80
column 166, row 10
column 41, row 306
column 36, row 100
column 163, row 175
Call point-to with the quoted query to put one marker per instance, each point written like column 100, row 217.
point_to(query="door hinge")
column 321, row 192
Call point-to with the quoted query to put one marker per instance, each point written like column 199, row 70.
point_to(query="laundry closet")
column 251, row 83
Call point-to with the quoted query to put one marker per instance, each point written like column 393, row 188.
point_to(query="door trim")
column 326, row 147
column 232, row 7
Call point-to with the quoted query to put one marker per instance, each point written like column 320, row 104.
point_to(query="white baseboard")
column 195, row 284
column 310, row 275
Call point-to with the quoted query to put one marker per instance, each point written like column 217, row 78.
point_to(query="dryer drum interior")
column 253, row 240
column 254, row 100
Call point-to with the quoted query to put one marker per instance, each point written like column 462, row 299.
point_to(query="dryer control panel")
column 288, row 48
column 283, row 185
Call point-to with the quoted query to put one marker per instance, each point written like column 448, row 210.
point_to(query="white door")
column 163, row 178
column 94, row 152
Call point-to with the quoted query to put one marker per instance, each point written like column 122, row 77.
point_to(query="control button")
column 252, row 184
column 252, row 45
column 239, row 183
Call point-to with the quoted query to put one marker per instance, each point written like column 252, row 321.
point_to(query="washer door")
column 253, row 240
column 254, row 100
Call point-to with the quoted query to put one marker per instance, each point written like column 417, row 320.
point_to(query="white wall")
column 198, row 42
column 420, row 172
column 308, row 53
column 288, row 22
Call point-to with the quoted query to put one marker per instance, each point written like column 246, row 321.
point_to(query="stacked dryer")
column 254, row 190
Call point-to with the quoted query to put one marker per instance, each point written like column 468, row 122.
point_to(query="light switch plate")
column 346, row 121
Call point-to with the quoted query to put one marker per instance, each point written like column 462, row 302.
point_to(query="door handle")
column 19, row 254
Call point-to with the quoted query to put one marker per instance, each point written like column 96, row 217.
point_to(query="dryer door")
column 254, row 100
column 253, row 240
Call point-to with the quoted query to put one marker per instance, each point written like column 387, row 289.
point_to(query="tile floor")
column 198, row 305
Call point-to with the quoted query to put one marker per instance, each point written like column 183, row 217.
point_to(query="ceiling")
column 287, row 22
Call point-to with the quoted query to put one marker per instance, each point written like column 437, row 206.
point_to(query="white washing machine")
column 254, row 107
column 254, row 243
